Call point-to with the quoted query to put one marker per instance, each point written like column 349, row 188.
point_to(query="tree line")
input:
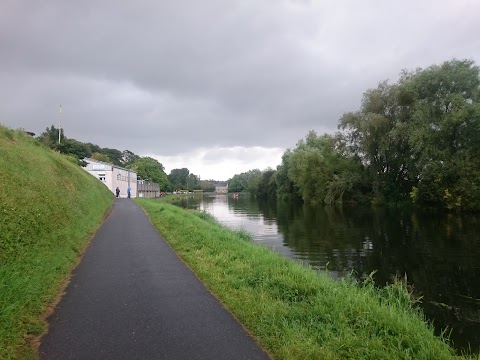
column 147, row 168
column 415, row 141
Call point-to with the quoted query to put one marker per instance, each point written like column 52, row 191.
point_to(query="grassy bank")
column 292, row 311
column 49, row 208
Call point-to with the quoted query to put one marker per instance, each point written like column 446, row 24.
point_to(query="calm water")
column 439, row 253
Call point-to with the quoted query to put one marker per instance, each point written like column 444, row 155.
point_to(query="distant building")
column 113, row 176
column 221, row 187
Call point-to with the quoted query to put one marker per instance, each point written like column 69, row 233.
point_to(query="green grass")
column 292, row 311
column 49, row 208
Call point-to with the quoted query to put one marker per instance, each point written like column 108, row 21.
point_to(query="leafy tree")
column 378, row 134
column 101, row 157
column 178, row 178
column 50, row 137
column 286, row 189
column 94, row 148
column 235, row 184
column 73, row 147
column 129, row 157
column 207, row 185
column 114, row 155
column 252, row 180
column 417, row 139
column 193, row 182
column 420, row 137
column 267, row 187
column 445, row 134
column 247, row 181
column 321, row 173
column 150, row 169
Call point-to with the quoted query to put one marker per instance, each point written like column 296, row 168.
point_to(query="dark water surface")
column 438, row 252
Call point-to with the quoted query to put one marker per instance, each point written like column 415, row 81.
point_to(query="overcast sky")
column 219, row 87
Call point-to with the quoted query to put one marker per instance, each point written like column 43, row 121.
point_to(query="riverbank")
column 49, row 208
column 292, row 311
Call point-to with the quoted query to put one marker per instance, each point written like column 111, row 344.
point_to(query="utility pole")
column 60, row 124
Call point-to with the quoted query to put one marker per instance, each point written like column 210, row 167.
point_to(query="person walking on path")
column 117, row 191
column 132, row 298
column 128, row 191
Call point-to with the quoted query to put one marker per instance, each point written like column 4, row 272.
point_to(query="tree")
column 234, row 184
column 321, row 172
column 114, row 155
column 129, row 157
column 267, row 187
column 207, row 185
column 74, row 147
column 50, row 137
column 100, row 157
column 247, row 181
column 378, row 135
column 178, row 178
column 193, row 182
column 286, row 189
column 252, row 180
column 150, row 169
column 94, row 148
column 420, row 136
column 445, row 134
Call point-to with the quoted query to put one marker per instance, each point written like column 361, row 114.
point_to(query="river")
column 439, row 253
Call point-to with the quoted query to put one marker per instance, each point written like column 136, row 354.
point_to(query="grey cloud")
column 169, row 77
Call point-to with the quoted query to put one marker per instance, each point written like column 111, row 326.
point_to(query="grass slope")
column 292, row 311
column 49, row 208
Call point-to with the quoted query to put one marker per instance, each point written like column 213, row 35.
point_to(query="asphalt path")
column 131, row 297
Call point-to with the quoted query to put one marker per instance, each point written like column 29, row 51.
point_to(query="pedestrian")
column 128, row 191
column 117, row 191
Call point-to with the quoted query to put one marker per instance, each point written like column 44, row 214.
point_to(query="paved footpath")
column 131, row 297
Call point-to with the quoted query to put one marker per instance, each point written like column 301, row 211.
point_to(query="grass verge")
column 292, row 311
column 49, row 208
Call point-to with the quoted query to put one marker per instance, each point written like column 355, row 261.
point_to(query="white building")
column 113, row 176
column 221, row 187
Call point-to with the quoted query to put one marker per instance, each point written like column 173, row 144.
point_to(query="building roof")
column 90, row 160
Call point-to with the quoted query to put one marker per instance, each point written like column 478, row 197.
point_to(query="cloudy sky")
column 217, row 86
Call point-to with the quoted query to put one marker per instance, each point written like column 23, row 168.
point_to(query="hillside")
column 49, row 208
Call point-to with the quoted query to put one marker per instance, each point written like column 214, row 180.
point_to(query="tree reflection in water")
column 439, row 253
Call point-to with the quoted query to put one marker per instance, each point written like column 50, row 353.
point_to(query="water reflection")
column 439, row 253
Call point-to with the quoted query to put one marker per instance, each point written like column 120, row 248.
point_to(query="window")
column 119, row 177
column 102, row 177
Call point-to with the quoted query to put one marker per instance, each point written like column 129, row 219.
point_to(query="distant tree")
column 101, row 157
column 207, row 185
column 50, row 137
column 193, row 182
column 286, row 189
column 94, row 148
column 114, row 155
column 267, row 186
column 253, row 178
column 235, row 184
column 74, row 147
column 129, row 157
column 178, row 178
column 247, row 181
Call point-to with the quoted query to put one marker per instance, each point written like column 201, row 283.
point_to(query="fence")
column 148, row 190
